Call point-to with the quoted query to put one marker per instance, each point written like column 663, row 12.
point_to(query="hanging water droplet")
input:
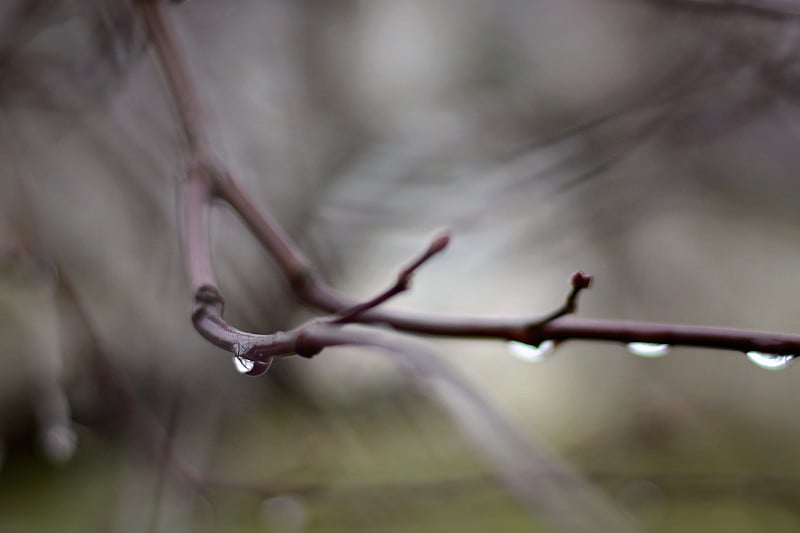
column 59, row 443
column 285, row 513
column 770, row 361
column 243, row 365
column 250, row 367
column 530, row 353
column 648, row 349
column 247, row 366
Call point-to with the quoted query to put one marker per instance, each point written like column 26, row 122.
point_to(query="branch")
column 514, row 460
column 208, row 180
column 528, row 330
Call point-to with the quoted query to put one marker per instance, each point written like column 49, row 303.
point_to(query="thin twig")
column 579, row 281
column 402, row 284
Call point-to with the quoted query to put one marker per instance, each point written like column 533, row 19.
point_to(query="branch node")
column 300, row 280
column 306, row 347
column 211, row 170
column 207, row 297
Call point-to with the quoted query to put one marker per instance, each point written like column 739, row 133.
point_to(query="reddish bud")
column 440, row 242
column 581, row 280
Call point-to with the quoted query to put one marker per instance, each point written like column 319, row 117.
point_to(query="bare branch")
column 207, row 179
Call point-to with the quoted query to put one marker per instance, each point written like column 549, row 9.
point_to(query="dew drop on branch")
column 242, row 364
column 59, row 442
column 284, row 513
column 250, row 367
column 530, row 353
column 648, row 349
column 770, row 361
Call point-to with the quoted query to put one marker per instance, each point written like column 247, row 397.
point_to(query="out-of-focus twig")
column 541, row 482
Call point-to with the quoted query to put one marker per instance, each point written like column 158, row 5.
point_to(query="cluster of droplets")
column 534, row 354
column 769, row 361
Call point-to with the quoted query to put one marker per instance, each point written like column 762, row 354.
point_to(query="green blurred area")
column 392, row 465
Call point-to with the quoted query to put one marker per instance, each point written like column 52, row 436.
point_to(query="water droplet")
column 648, row 349
column 770, row 361
column 641, row 494
column 250, row 367
column 530, row 353
column 59, row 443
column 284, row 513
column 243, row 366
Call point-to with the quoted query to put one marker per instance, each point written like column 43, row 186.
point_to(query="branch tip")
column 581, row 280
column 437, row 245
column 440, row 242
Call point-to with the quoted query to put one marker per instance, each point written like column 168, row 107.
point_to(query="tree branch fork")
column 207, row 180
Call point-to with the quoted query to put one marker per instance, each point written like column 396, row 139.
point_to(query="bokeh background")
column 651, row 143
